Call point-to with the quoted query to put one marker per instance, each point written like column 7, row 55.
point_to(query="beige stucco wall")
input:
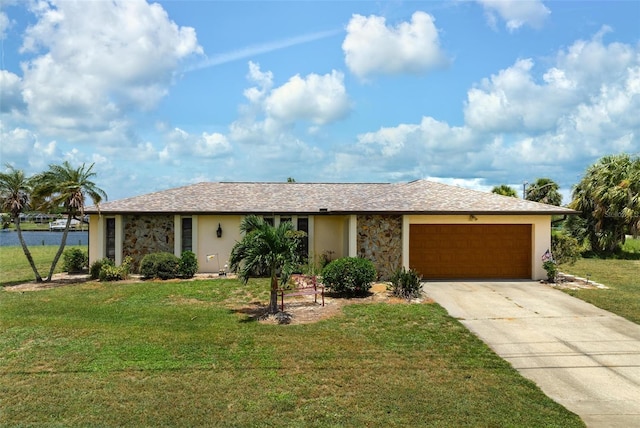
column 95, row 241
column 208, row 243
column 540, row 230
column 330, row 233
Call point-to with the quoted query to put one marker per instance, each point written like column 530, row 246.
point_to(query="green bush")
column 94, row 270
column 565, row 248
column 74, row 260
column 406, row 283
column 552, row 270
column 349, row 275
column 110, row 272
column 160, row 265
column 188, row 265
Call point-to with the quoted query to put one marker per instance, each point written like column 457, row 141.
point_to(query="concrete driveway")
column 585, row 358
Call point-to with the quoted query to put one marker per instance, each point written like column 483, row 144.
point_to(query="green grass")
column 15, row 269
column 621, row 276
column 631, row 248
column 187, row 354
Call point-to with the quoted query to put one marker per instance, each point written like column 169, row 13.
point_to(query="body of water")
column 9, row 238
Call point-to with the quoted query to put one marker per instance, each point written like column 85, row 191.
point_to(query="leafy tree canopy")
column 505, row 190
column 608, row 197
column 544, row 190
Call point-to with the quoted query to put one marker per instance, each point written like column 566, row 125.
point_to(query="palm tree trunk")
column 60, row 248
column 273, row 302
column 26, row 251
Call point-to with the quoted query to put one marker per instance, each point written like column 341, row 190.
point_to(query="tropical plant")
column 505, row 190
column 349, row 275
column 544, row 190
column 268, row 249
column 406, row 283
column 15, row 198
column 608, row 198
column 63, row 186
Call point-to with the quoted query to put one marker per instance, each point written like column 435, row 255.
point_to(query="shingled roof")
column 416, row 197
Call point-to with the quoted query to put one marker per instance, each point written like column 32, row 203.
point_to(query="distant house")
column 442, row 231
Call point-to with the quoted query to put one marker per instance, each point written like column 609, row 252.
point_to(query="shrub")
column 565, row 248
column 160, row 265
column 75, row 260
column 110, row 272
column 552, row 270
column 94, row 270
column 349, row 275
column 188, row 265
column 406, row 283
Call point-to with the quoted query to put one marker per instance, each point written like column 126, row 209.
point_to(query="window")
column 285, row 219
column 303, row 226
column 269, row 220
column 110, row 232
column 187, row 234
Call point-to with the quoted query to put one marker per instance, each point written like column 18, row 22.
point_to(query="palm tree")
column 544, row 190
column 608, row 198
column 67, row 187
column 15, row 198
column 505, row 190
column 265, row 248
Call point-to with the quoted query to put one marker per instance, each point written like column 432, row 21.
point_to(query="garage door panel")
column 470, row 251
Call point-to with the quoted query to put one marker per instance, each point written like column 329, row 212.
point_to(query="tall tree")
column 63, row 186
column 266, row 248
column 608, row 197
column 505, row 190
column 15, row 198
column 544, row 190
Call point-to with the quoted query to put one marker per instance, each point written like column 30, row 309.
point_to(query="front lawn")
column 621, row 276
column 15, row 269
column 187, row 354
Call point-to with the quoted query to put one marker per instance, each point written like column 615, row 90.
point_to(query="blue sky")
column 471, row 93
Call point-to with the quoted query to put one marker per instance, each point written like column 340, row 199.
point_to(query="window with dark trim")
column 110, row 235
column 187, row 234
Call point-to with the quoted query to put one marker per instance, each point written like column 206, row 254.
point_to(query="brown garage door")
column 449, row 251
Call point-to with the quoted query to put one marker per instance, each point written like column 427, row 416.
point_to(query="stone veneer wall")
column 144, row 234
column 380, row 240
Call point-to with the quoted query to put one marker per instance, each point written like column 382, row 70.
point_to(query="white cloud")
column 183, row 146
column 273, row 112
column 11, row 90
column 590, row 82
column 371, row 47
column 23, row 147
column 95, row 61
column 319, row 99
column 516, row 13
column 212, row 145
column 521, row 123
column 17, row 141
